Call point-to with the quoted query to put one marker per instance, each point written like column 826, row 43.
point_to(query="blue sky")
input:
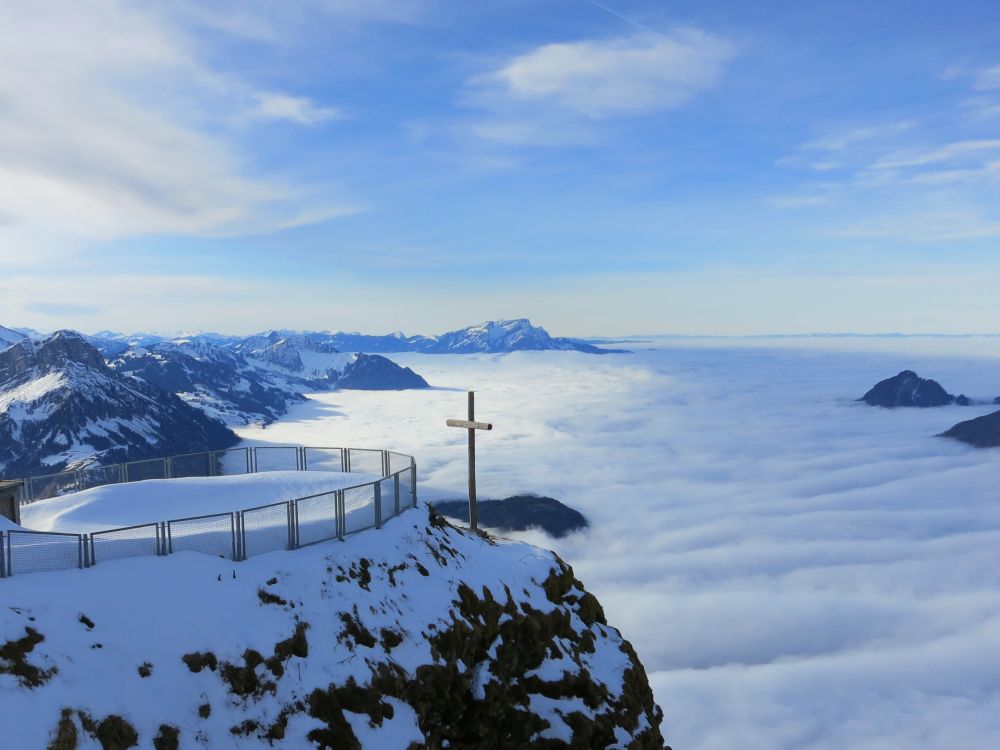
column 604, row 168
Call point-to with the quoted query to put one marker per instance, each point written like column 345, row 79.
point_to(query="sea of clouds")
column 796, row 569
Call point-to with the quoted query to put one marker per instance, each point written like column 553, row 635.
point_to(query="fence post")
column 242, row 535
column 81, row 550
column 168, row 467
column 338, row 500
column 290, row 511
column 3, row 559
column 378, row 505
column 395, row 491
column 234, row 525
column 413, row 481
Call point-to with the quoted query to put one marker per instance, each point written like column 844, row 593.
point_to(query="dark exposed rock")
column 908, row 389
column 982, row 432
column 370, row 372
column 519, row 513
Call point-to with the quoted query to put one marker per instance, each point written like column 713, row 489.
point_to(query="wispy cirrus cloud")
column 932, row 179
column 114, row 124
column 298, row 109
column 557, row 92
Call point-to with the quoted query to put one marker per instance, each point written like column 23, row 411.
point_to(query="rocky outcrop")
column 982, row 432
column 416, row 636
column 519, row 513
column 371, row 372
column 909, row 389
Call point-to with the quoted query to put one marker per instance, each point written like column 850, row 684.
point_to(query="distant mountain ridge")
column 495, row 336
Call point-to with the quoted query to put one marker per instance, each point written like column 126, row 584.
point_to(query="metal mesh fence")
column 365, row 461
column 97, row 476
column 213, row 535
column 36, row 551
column 406, row 499
column 51, row 485
column 324, row 459
column 234, row 535
column 316, row 518
column 131, row 541
column 387, row 498
column 398, row 462
column 192, row 465
column 154, row 468
column 266, row 529
column 276, row 458
column 231, row 461
column 359, row 508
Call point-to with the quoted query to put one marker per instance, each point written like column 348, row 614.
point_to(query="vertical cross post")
column 473, row 513
column 471, row 425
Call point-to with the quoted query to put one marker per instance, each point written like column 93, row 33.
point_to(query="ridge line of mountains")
column 69, row 400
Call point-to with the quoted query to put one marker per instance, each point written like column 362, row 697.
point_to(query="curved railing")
column 234, row 535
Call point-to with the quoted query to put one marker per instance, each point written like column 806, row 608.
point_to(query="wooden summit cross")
column 471, row 425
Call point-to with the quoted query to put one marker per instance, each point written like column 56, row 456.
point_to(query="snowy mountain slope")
column 311, row 360
column 392, row 342
column 503, row 336
column 9, row 336
column 60, row 404
column 220, row 382
column 415, row 636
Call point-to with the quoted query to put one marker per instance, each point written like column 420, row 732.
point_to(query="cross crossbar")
column 469, row 425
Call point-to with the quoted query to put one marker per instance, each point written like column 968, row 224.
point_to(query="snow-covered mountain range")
column 60, row 404
column 495, row 336
column 219, row 381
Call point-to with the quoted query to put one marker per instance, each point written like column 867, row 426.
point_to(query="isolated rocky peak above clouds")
column 909, row 389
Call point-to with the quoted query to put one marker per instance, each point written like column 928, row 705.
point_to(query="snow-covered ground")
column 795, row 569
column 111, row 640
column 116, row 505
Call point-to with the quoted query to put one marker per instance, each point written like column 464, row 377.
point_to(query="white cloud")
column 559, row 93
column 112, row 126
column 298, row 109
column 987, row 79
column 624, row 76
column 795, row 569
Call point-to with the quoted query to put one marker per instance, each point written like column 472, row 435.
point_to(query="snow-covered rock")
column 60, row 405
column 415, row 636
